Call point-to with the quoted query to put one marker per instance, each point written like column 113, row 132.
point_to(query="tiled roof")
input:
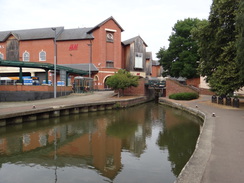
column 75, row 34
column 149, row 55
column 48, row 33
column 103, row 22
column 155, row 63
column 129, row 41
column 31, row 34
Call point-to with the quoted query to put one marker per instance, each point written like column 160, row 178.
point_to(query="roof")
column 103, row 22
column 155, row 63
column 75, row 34
column 84, row 67
column 48, row 33
column 48, row 66
column 30, row 34
column 149, row 55
column 132, row 40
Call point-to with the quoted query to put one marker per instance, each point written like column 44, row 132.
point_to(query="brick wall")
column 194, row 82
column 204, row 91
column 140, row 90
column 42, row 88
column 175, row 87
column 34, row 47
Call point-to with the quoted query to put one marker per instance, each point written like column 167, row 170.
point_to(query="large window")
column 26, row 56
column 1, row 56
column 139, row 61
column 42, row 56
column 109, row 64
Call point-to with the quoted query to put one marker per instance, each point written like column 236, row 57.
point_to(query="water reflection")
column 147, row 143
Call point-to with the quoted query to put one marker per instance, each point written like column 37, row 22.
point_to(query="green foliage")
column 184, row 96
column 217, row 47
column 121, row 80
column 180, row 59
column 240, row 38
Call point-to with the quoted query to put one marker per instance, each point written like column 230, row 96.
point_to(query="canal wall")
column 194, row 169
column 195, row 112
column 61, row 110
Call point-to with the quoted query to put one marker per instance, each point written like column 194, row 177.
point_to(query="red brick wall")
column 204, row 91
column 79, row 54
column 99, row 45
column 33, row 88
column 194, row 82
column 34, row 47
column 175, row 87
column 140, row 90
column 156, row 71
column 102, row 75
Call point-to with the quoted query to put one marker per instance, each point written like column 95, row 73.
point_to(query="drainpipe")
column 20, row 75
column 46, row 75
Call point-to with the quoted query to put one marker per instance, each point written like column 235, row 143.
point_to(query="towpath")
column 219, row 156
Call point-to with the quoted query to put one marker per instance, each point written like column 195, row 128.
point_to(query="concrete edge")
column 194, row 169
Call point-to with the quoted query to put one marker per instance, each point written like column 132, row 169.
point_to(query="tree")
column 121, row 80
column 216, row 40
column 180, row 59
column 240, row 38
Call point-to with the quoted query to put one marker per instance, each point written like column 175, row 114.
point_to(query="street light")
column 55, row 64
column 90, row 45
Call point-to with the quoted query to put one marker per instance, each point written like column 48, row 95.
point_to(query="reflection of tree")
column 122, row 130
column 180, row 142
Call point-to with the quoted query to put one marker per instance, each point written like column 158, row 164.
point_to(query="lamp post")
column 55, row 65
column 90, row 45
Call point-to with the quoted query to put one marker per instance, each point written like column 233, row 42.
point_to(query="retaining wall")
column 61, row 110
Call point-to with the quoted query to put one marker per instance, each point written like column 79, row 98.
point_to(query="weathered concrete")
column 72, row 104
column 30, row 118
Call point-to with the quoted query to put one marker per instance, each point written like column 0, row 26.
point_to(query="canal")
column 145, row 143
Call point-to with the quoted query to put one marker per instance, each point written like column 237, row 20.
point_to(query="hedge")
column 184, row 96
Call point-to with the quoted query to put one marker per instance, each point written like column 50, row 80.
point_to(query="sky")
column 151, row 19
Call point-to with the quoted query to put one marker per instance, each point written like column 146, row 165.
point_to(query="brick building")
column 97, row 50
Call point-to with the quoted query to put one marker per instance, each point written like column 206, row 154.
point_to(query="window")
column 109, row 64
column 26, row 56
column 139, row 61
column 42, row 56
column 1, row 56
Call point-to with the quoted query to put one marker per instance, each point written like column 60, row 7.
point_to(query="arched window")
column 1, row 56
column 42, row 56
column 26, row 56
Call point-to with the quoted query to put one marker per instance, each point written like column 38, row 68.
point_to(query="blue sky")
column 152, row 20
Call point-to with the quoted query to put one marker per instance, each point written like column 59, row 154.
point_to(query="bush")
column 184, row 96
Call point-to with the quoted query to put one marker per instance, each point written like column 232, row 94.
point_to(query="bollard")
column 236, row 102
column 220, row 100
column 228, row 101
column 214, row 99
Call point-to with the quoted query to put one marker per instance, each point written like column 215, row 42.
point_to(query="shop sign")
column 73, row 47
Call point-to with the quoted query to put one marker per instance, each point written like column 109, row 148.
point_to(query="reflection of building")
column 97, row 150
column 79, row 144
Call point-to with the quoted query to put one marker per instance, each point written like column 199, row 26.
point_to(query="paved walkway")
column 73, row 99
column 219, row 156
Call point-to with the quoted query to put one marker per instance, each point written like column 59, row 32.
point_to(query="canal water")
column 146, row 143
